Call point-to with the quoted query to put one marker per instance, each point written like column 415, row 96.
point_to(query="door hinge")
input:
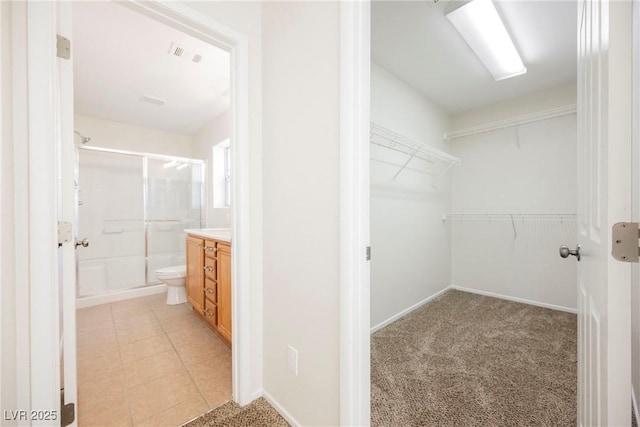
column 65, row 232
column 67, row 412
column 368, row 253
column 63, row 47
column 625, row 245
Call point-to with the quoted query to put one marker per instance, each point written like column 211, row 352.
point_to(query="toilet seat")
column 172, row 272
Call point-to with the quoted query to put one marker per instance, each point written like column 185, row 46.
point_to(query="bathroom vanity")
column 209, row 277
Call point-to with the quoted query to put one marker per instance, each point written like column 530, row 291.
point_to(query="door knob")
column 565, row 252
column 84, row 243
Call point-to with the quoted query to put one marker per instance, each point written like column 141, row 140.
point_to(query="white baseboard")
column 510, row 298
column 286, row 415
column 473, row 291
column 255, row 395
column 634, row 402
column 121, row 295
column 407, row 311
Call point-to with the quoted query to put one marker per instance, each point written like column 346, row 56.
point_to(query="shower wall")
column 133, row 209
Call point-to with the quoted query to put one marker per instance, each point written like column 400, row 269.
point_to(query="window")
column 227, row 176
column 221, row 175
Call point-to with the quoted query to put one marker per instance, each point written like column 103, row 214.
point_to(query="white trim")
column 126, row 294
column 355, row 62
column 278, row 407
column 635, row 170
column 20, row 118
column 515, row 299
column 408, row 310
column 43, row 242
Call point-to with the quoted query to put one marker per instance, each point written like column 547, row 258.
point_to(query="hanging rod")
column 387, row 138
column 511, row 122
column 521, row 217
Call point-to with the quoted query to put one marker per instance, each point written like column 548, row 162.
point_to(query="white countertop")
column 223, row 234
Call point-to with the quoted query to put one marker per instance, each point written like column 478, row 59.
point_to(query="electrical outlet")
column 292, row 360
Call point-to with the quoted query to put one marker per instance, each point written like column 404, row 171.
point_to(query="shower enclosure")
column 133, row 208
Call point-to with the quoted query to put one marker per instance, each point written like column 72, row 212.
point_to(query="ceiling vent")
column 152, row 100
column 181, row 52
column 176, row 50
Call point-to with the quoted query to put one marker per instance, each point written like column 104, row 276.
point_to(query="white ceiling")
column 415, row 41
column 120, row 55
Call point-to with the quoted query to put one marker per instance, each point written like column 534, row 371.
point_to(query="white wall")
column 409, row 242
column 212, row 133
column 123, row 136
column 529, row 169
column 301, row 207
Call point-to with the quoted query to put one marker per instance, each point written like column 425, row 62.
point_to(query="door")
column 67, row 213
column 604, row 186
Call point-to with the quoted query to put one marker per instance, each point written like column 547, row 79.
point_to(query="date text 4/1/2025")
column 23, row 415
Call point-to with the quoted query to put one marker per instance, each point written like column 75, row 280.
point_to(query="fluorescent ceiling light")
column 481, row 27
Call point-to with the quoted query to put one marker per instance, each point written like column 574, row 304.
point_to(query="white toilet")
column 175, row 278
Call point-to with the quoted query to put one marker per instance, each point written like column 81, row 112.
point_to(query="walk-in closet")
column 473, row 192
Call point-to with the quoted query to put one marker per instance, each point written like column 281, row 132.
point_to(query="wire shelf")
column 519, row 217
column 511, row 122
column 387, row 138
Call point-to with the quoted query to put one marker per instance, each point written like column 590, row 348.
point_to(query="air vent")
column 152, row 100
column 176, row 50
column 180, row 51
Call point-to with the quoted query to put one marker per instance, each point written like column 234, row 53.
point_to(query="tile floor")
column 144, row 363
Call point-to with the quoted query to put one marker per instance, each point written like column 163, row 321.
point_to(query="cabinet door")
column 195, row 273
column 224, row 291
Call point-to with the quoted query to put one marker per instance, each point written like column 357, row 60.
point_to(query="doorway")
column 473, row 184
column 145, row 120
column 209, row 30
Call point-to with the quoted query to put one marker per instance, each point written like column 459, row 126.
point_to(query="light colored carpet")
column 257, row 413
column 470, row 360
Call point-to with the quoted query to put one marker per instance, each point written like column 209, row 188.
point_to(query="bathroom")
column 153, row 133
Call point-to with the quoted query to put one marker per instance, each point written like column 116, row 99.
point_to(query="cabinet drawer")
column 210, row 290
column 210, row 248
column 210, row 267
column 210, row 312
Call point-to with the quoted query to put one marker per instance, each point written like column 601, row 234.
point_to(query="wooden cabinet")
column 209, row 282
column 195, row 273
column 224, row 291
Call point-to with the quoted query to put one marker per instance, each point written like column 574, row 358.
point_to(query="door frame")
column 354, row 216
column 635, row 203
column 355, row 70
column 36, row 189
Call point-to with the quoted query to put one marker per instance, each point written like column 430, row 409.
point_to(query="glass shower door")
column 111, row 216
column 174, row 202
